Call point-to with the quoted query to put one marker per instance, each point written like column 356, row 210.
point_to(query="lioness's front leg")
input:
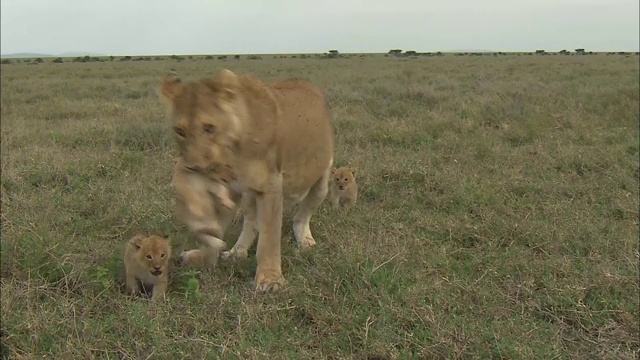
column 249, row 228
column 269, row 205
column 196, row 208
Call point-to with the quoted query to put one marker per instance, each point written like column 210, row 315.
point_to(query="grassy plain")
column 497, row 218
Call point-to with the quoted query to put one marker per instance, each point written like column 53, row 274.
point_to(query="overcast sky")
column 148, row 27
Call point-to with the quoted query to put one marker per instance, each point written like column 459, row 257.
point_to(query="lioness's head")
column 207, row 116
column 153, row 252
column 343, row 177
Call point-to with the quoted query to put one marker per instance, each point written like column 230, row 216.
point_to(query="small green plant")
column 192, row 287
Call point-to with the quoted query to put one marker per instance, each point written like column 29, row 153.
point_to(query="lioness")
column 268, row 142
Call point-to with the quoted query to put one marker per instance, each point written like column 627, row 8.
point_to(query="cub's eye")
column 345, row 179
column 208, row 128
column 179, row 131
column 149, row 257
column 162, row 256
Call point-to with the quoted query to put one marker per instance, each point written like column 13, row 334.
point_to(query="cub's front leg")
column 131, row 284
column 159, row 290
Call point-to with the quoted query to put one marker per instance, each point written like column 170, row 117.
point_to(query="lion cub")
column 146, row 260
column 345, row 189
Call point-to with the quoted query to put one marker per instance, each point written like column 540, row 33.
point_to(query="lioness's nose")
column 157, row 267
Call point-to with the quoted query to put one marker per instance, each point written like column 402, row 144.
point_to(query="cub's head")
column 207, row 117
column 343, row 177
column 153, row 252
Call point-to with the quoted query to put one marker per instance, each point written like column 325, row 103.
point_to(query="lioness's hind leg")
column 311, row 202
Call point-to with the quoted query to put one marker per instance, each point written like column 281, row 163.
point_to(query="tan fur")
column 268, row 143
column 344, row 189
column 143, row 256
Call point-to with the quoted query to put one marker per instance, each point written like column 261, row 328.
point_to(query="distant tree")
column 111, row 58
column 236, row 57
column 540, row 52
column 254, row 57
column 208, row 57
column 334, row 52
column 580, row 51
column 57, row 60
column 126, row 58
column 410, row 53
column 395, row 52
column 6, row 61
column 38, row 60
column 222, row 57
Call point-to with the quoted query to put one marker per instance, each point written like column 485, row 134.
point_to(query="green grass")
column 497, row 217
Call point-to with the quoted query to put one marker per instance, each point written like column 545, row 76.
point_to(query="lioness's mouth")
column 156, row 272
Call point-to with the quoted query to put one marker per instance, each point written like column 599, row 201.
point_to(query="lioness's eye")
column 209, row 128
column 179, row 131
column 149, row 257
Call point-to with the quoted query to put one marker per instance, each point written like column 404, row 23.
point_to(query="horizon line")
column 78, row 53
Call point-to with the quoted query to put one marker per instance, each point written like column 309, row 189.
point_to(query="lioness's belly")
column 306, row 135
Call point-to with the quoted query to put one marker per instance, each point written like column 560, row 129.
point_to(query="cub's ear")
column 353, row 171
column 170, row 87
column 333, row 171
column 137, row 241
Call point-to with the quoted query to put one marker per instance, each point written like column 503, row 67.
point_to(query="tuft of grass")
column 497, row 216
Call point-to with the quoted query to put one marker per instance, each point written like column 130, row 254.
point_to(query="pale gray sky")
column 148, row 27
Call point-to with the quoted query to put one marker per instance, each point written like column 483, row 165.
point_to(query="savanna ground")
column 497, row 218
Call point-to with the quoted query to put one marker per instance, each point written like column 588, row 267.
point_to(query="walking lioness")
column 267, row 143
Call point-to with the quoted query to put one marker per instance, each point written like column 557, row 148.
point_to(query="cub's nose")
column 157, row 267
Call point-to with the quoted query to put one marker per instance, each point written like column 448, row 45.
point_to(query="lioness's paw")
column 307, row 242
column 235, row 254
column 269, row 282
column 193, row 258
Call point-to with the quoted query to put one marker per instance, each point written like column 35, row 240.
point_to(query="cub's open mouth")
column 156, row 272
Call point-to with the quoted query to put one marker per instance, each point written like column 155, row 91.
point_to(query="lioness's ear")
column 229, row 82
column 170, row 87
